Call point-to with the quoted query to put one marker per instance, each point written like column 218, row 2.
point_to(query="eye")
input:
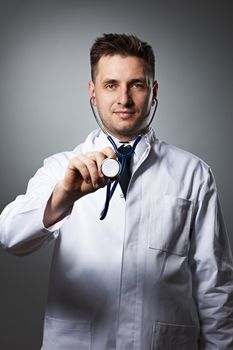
column 110, row 86
column 138, row 85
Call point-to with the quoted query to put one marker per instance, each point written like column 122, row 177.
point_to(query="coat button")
column 122, row 195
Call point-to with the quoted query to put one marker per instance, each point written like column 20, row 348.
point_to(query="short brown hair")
column 124, row 45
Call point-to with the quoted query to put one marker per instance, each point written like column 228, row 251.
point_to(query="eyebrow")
column 132, row 81
column 110, row 81
column 141, row 80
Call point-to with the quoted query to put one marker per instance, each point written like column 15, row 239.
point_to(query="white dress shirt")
column 156, row 273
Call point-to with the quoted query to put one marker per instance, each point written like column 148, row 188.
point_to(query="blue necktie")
column 125, row 177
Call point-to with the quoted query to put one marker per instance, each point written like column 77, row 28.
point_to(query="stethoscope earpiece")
column 92, row 100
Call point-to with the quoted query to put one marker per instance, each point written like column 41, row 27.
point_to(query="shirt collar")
column 147, row 140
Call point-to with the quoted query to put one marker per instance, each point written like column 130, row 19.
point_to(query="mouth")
column 124, row 114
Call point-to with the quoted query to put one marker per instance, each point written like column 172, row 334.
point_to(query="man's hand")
column 83, row 175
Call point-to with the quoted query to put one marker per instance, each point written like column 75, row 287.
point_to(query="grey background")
column 44, row 71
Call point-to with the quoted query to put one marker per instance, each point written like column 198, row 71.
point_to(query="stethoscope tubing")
column 111, row 185
column 99, row 122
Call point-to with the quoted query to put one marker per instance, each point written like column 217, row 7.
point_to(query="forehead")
column 118, row 67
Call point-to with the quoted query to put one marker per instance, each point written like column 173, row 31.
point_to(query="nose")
column 124, row 97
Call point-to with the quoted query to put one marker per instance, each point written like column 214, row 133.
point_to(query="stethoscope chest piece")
column 110, row 167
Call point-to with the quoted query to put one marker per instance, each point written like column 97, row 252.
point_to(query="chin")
column 125, row 135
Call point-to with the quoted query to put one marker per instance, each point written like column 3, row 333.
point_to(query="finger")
column 109, row 152
column 93, row 170
column 98, row 157
column 77, row 165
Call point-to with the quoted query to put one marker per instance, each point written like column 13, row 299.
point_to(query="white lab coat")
column 156, row 274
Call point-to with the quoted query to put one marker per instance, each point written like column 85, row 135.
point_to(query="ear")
column 155, row 89
column 91, row 90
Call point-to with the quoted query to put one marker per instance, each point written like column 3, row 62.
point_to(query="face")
column 122, row 93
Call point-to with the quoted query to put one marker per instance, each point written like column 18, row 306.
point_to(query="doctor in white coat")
column 157, row 272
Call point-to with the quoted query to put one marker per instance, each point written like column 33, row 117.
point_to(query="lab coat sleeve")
column 21, row 223
column 212, row 271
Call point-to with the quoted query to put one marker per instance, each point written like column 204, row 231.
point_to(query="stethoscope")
column 111, row 167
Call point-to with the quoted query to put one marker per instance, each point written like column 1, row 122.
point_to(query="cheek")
column 103, row 101
column 104, row 107
column 144, row 103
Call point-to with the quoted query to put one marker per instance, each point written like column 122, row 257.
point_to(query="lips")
column 124, row 113
column 131, row 111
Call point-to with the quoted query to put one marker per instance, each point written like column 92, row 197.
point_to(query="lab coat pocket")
column 66, row 335
column 169, row 225
column 173, row 336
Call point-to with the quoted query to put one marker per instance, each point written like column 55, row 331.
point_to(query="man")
column 157, row 272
